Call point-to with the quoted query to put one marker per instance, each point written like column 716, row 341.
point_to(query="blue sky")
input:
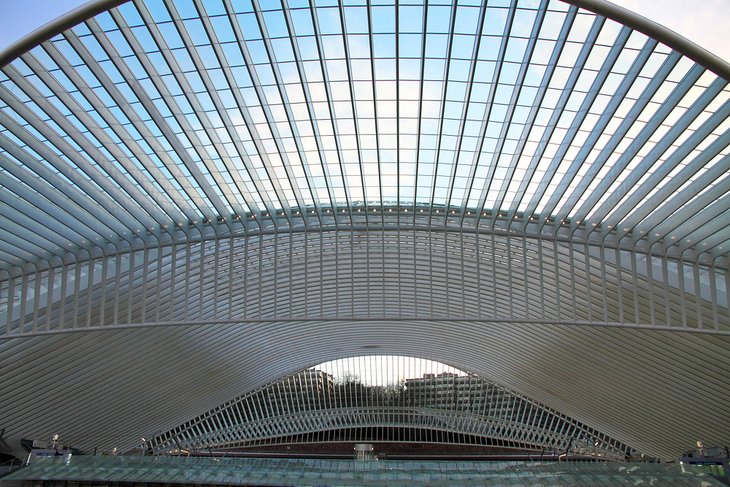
column 443, row 175
column 20, row 17
column 705, row 23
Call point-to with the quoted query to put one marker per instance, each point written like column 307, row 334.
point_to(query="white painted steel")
column 386, row 399
column 190, row 211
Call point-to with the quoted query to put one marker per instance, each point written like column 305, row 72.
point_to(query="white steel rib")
column 199, row 197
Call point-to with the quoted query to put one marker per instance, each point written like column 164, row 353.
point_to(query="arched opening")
column 387, row 399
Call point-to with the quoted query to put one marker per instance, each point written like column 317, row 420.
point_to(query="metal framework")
column 513, row 187
column 375, row 399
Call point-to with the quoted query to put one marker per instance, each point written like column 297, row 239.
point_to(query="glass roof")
column 286, row 471
column 158, row 114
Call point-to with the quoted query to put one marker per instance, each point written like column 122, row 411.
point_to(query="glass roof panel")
column 197, row 109
column 285, row 471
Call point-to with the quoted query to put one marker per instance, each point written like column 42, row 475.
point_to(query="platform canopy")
column 199, row 197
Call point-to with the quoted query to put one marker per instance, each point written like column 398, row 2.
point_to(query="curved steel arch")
column 657, row 31
column 166, row 197
column 207, row 198
column 320, row 403
column 390, row 274
column 601, row 7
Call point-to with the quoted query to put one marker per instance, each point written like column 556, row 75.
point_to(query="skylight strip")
column 465, row 164
column 552, row 134
column 271, row 161
column 681, row 197
column 485, row 157
column 21, row 190
column 438, row 24
column 601, row 133
column 302, row 124
column 515, row 120
column 689, row 152
column 66, row 208
column 464, row 160
column 326, row 131
column 291, row 158
column 201, row 92
column 534, row 131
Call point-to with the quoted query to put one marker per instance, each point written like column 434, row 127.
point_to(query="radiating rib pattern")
column 199, row 197
column 376, row 399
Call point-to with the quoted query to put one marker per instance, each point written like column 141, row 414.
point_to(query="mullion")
column 196, row 196
column 609, row 207
column 53, row 229
column 494, row 86
column 290, row 116
column 330, row 104
column 519, row 85
column 708, row 223
column 38, row 240
column 465, row 109
column 648, row 204
column 552, row 64
column 375, row 112
column 608, row 150
column 256, row 85
column 441, row 115
column 681, row 204
column 558, row 111
column 278, row 190
column 605, row 118
column 419, row 114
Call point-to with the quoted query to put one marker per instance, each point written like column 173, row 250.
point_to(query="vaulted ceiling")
column 199, row 197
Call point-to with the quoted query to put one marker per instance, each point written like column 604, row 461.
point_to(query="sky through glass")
column 520, row 112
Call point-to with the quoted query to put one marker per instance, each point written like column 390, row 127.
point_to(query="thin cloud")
column 705, row 23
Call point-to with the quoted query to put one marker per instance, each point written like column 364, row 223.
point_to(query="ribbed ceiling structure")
column 202, row 196
column 386, row 399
